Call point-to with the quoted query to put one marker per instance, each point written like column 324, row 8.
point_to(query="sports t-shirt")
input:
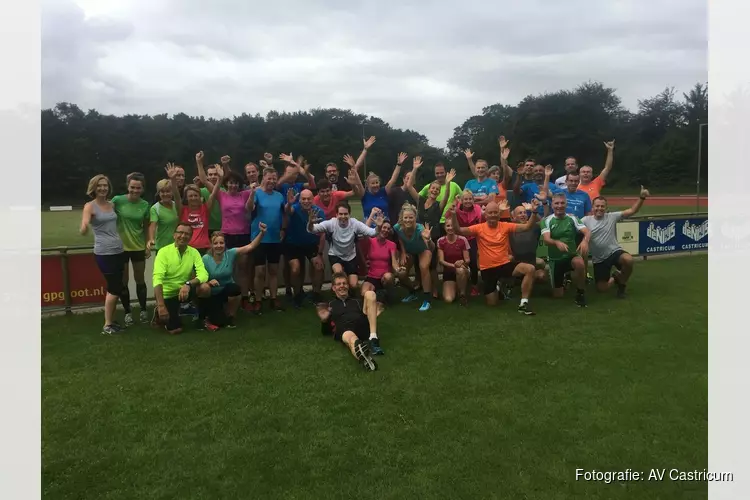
column 379, row 200
column 561, row 183
column 380, row 257
column 132, row 217
column 172, row 269
column 524, row 245
column 343, row 237
column 330, row 209
column 593, row 188
column 214, row 219
column 531, row 189
column 234, row 214
column 346, row 314
column 502, row 194
column 453, row 251
column 297, row 187
column 468, row 218
column 430, row 216
column 455, row 190
column 603, row 241
column 563, row 229
column 166, row 222
column 396, row 200
column 484, row 187
column 223, row 272
column 296, row 233
column 579, row 203
column 493, row 243
column 414, row 245
column 198, row 220
column 269, row 209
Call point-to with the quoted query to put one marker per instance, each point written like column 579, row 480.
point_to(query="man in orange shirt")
column 594, row 187
column 493, row 242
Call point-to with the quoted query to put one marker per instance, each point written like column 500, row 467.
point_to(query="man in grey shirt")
column 524, row 245
column 605, row 250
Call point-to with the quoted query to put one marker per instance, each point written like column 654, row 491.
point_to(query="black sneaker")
column 621, row 292
column 230, row 323
column 290, row 297
column 463, row 301
column 299, row 300
column 362, row 351
column 525, row 309
column 580, row 300
column 375, row 346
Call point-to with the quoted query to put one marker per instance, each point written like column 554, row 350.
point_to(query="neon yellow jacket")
column 172, row 269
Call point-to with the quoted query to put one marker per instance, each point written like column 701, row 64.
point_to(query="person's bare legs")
column 462, row 281
column 260, row 280
column 273, row 281
column 233, row 304
column 110, row 306
column 295, row 276
column 317, row 275
column 425, row 258
column 449, row 291
column 579, row 280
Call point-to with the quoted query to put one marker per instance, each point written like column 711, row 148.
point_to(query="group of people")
column 219, row 241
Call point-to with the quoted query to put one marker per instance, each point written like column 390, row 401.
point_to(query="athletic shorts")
column 267, row 253
column 449, row 274
column 492, row 276
column 350, row 266
column 558, row 269
column 526, row 259
column 360, row 329
column 434, row 261
column 236, row 240
column 602, row 269
column 111, row 267
column 134, row 256
column 376, row 282
column 230, row 290
column 300, row 252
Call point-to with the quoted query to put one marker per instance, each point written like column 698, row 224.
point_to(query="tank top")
column 106, row 238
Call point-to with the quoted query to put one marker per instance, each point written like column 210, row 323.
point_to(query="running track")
column 683, row 200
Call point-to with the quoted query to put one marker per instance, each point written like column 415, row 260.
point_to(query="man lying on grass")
column 349, row 320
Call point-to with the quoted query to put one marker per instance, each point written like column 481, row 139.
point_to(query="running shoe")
column 375, row 346
column 580, row 300
column 144, row 316
column 474, row 291
column 426, row 306
column 117, row 326
column 290, row 295
column 207, row 325
column 110, row 330
column 257, row 307
column 248, row 305
column 621, row 292
column 299, row 300
column 589, row 278
column 230, row 323
column 128, row 320
column 362, row 351
column 526, row 309
column 410, row 298
column 462, row 301
column 276, row 304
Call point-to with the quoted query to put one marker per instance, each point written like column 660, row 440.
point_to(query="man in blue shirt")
column 483, row 185
column 301, row 246
column 267, row 206
column 291, row 174
column 531, row 190
column 579, row 203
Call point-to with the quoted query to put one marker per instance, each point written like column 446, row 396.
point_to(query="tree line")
column 656, row 146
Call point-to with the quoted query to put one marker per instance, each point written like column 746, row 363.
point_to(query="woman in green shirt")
column 163, row 217
column 132, row 218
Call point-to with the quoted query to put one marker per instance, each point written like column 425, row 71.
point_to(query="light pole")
column 700, row 157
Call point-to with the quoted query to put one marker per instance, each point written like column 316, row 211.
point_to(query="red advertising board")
column 87, row 284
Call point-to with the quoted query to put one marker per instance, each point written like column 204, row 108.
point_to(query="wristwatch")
column 189, row 284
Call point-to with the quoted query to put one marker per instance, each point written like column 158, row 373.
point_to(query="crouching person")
column 174, row 283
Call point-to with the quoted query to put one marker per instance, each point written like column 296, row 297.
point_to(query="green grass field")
column 61, row 228
column 467, row 403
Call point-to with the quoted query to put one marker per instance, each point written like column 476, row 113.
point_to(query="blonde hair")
column 372, row 175
column 213, row 237
column 467, row 191
column 91, row 190
column 406, row 207
column 163, row 184
column 192, row 187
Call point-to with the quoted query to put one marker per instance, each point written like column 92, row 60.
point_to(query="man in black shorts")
column 348, row 319
column 524, row 245
column 301, row 246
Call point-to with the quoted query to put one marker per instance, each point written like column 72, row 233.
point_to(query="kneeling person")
column 302, row 246
column 453, row 256
column 606, row 252
column 524, row 245
column 382, row 261
column 173, row 282
column 349, row 320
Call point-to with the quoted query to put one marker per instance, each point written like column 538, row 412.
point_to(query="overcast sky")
column 421, row 65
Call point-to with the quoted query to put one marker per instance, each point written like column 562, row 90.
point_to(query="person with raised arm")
column 453, row 255
column 174, row 283
column 179, row 179
column 349, row 320
column 221, row 307
column 375, row 195
column 448, row 190
column 292, row 171
column 163, row 215
column 383, row 260
column 416, row 245
column 524, row 245
column 606, row 252
column 530, row 190
column 99, row 214
column 208, row 177
column 481, row 186
column 328, row 199
column 267, row 206
column 468, row 214
column 430, row 211
column 343, row 232
column 593, row 186
column 559, row 231
column 301, row 246
column 571, row 167
column 132, row 223
column 493, row 240
column 196, row 212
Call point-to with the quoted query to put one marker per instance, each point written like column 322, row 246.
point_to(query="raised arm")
column 610, row 159
column 637, row 205
column 396, row 172
column 355, row 182
column 448, row 180
column 469, row 159
column 255, row 243
column 504, row 155
column 409, row 186
column 529, row 224
column 171, row 171
column 215, row 191
column 517, row 184
column 367, row 144
column 312, row 227
column 305, row 171
column 86, row 218
column 290, row 199
column 202, row 171
column 463, row 231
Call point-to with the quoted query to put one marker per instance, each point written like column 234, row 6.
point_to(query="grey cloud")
column 416, row 65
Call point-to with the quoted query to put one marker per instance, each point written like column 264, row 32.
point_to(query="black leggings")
column 111, row 267
column 473, row 261
column 213, row 307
